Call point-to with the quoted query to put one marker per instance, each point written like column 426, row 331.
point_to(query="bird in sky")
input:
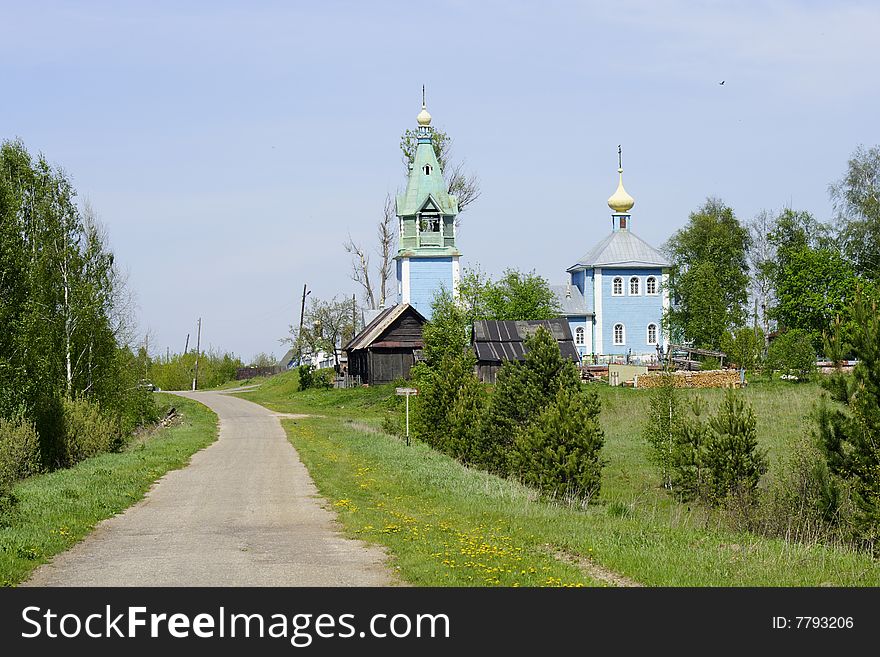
column 722, row 82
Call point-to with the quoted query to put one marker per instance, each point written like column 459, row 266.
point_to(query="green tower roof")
column 425, row 177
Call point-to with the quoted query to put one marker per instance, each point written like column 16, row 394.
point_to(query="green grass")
column 59, row 509
column 445, row 524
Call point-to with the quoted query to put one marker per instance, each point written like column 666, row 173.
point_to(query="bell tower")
column 427, row 256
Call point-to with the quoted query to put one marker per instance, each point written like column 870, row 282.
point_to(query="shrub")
column 558, row 453
column 744, row 346
column 792, row 354
column 803, row 502
column 87, row 431
column 467, row 439
column 709, row 364
column 19, row 450
column 687, row 463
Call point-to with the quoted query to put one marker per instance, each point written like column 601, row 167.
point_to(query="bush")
column 310, row 378
column 87, row 431
column 19, row 450
column 744, row 347
column 559, row 452
column 710, row 364
column 803, row 502
column 792, row 354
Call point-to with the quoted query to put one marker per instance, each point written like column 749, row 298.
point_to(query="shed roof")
column 497, row 341
column 381, row 323
column 622, row 248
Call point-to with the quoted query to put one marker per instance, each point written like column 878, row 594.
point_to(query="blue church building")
column 616, row 294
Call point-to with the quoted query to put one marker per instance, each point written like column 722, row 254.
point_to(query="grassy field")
column 445, row 524
column 59, row 509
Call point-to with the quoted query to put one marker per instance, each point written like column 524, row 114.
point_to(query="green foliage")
column 710, row 363
column 310, row 378
column 176, row 372
column 20, row 455
column 87, row 432
column 663, row 425
column 65, row 323
column 744, row 346
column 709, row 277
column 515, row 296
column 850, row 437
column 558, row 453
column 857, row 200
column 734, row 462
column 792, row 354
column 440, row 383
column 813, row 286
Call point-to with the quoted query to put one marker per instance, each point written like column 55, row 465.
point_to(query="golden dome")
column 620, row 201
column 424, row 118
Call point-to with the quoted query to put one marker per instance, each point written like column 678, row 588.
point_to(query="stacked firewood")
column 685, row 379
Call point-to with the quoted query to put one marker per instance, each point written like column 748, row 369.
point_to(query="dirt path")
column 245, row 512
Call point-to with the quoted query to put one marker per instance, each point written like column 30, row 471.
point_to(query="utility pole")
column 354, row 311
column 302, row 315
column 198, row 352
column 146, row 355
column 186, row 348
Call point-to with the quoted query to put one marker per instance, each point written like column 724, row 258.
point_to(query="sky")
column 230, row 148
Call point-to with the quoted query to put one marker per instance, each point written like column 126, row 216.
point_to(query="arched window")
column 617, row 286
column 427, row 169
column 651, row 285
column 634, row 285
column 579, row 335
column 619, row 334
column 652, row 334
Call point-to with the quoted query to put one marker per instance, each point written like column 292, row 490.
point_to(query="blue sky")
column 230, row 148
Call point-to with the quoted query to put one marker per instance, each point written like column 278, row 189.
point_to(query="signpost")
column 407, row 392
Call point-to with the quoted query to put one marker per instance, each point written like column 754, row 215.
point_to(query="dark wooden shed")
column 385, row 349
column 497, row 341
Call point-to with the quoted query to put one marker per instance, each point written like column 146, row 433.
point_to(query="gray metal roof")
column 497, row 341
column 622, row 248
column 570, row 300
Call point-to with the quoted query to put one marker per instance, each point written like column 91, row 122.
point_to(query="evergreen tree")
column 559, row 452
column 850, row 437
column 734, row 462
column 663, row 426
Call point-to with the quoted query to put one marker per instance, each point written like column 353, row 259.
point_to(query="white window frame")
column 622, row 335
column 648, row 333
column 579, row 335
column 613, row 282
column 638, row 282
column 648, row 289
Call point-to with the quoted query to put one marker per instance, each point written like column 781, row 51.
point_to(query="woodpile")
column 685, row 379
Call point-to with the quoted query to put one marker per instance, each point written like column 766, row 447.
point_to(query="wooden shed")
column 385, row 349
column 497, row 341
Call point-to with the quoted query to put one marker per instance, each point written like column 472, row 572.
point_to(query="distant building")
column 616, row 294
column 495, row 342
column 387, row 347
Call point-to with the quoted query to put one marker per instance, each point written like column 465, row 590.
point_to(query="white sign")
column 407, row 391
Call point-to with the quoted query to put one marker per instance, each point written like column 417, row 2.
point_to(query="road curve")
column 244, row 512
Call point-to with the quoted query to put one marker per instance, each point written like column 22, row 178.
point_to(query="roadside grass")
column 447, row 525
column 58, row 509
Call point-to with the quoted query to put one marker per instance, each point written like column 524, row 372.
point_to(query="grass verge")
column 59, row 509
column 445, row 524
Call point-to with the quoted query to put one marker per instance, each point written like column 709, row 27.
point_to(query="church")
column 616, row 292
column 613, row 301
